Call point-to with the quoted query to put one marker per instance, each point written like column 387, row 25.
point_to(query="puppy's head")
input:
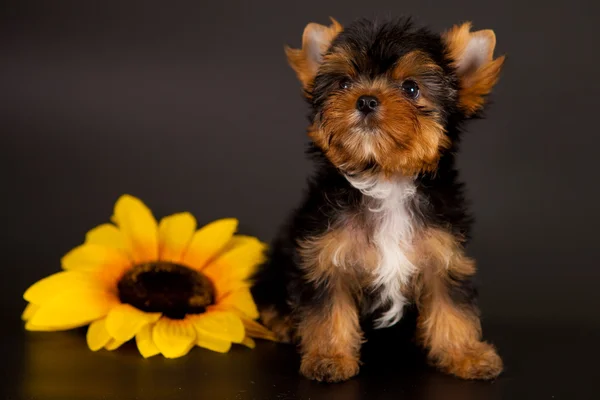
column 383, row 95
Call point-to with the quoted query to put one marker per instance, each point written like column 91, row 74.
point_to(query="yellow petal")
column 174, row 235
column 224, row 286
column 137, row 223
column 237, row 241
column 53, row 328
column 174, row 338
column 113, row 344
column 30, row 309
column 45, row 289
column 248, row 342
column 233, row 267
column 74, row 307
column 210, row 343
column 144, row 342
column 256, row 330
column 107, row 235
column 124, row 321
column 93, row 257
column 221, row 325
column 209, row 241
column 97, row 335
column 240, row 301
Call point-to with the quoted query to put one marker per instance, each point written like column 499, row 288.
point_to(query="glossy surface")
column 542, row 362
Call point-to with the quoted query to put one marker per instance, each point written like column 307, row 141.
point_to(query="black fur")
column 439, row 203
column 378, row 47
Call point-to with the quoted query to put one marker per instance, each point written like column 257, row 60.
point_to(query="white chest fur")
column 389, row 213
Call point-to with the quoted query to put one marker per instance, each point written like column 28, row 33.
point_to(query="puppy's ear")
column 472, row 54
column 315, row 42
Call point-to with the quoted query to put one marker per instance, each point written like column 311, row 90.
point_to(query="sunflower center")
column 168, row 288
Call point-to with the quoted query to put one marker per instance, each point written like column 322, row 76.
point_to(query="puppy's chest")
column 377, row 237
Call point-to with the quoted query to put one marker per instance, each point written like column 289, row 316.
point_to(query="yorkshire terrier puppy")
column 384, row 221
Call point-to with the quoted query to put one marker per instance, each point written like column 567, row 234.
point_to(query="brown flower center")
column 168, row 288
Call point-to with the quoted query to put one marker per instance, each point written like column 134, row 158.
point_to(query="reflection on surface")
column 60, row 366
column 438, row 386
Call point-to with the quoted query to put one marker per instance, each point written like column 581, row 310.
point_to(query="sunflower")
column 168, row 285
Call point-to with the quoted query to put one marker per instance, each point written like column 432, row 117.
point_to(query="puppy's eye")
column 410, row 89
column 345, row 83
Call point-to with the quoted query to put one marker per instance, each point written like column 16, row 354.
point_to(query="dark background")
column 193, row 107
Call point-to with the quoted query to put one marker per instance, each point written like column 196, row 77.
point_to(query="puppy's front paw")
column 329, row 368
column 479, row 362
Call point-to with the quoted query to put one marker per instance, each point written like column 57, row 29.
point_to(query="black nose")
column 367, row 104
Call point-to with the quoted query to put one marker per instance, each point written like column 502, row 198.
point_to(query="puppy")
column 384, row 222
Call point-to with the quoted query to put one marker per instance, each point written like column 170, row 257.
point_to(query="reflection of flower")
column 168, row 285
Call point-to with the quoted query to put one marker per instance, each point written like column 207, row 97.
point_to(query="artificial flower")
column 168, row 285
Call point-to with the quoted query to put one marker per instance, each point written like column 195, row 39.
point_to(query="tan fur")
column 441, row 250
column 400, row 139
column 478, row 83
column 281, row 326
column 413, row 64
column 341, row 253
column 450, row 332
column 330, row 338
column 339, row 63
column 299, row 60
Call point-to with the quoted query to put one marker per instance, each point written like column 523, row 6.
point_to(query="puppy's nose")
column 367, row 104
